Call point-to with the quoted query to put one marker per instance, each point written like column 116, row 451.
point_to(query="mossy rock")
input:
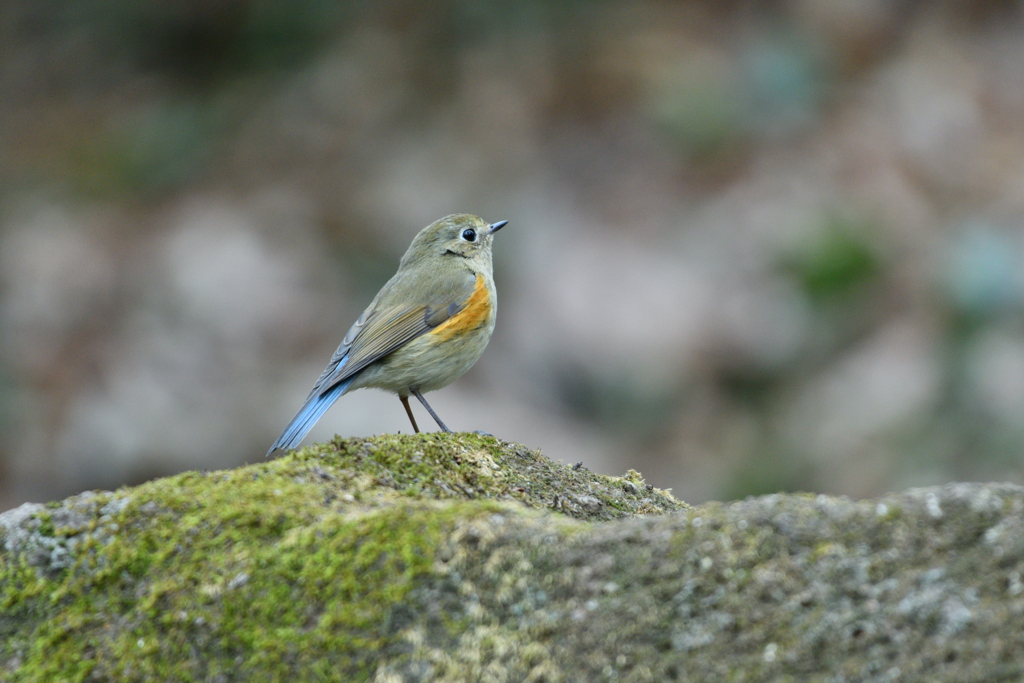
column 464, row 558
column 301, row 566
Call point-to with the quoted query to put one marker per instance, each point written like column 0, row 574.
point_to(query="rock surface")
column 458, row 557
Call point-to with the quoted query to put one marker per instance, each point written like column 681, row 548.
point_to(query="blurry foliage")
column 166, row 85
column 204, row 42
column 971, row 435
column 203, row 65
column 836, row 263
column 156, row 150
column 766, row 471
column 613, row 400
column 703, row 118
column 984, row 274
column 784, row 85
column 755, row 388
column 714, row 112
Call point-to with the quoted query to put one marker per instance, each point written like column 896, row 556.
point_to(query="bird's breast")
column 475, row 314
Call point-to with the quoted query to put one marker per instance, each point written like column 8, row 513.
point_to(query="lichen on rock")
column 465, row 558
column 299, row 565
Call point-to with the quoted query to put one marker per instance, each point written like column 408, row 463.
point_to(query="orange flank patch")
column 472, row 316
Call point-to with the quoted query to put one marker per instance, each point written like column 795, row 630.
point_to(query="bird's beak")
column 495, row 227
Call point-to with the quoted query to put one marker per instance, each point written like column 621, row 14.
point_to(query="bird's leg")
column 408, row 410
column 417, row 394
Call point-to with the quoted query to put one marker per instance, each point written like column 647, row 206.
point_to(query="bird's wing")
column 378, row 332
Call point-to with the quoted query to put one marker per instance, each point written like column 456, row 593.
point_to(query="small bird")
column 422, row 331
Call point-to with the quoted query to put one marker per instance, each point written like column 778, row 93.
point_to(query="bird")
column 426, row 327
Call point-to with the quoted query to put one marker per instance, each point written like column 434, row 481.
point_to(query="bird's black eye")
column 469, row 234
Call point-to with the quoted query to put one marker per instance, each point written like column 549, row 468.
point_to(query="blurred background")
column 753, row 246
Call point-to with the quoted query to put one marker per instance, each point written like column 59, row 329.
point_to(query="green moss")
column 469, row 466
column 260, row 589
column 302, row 566
column 310, row 568
column 46, row 527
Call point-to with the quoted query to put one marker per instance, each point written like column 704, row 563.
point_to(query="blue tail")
column 310, row 412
